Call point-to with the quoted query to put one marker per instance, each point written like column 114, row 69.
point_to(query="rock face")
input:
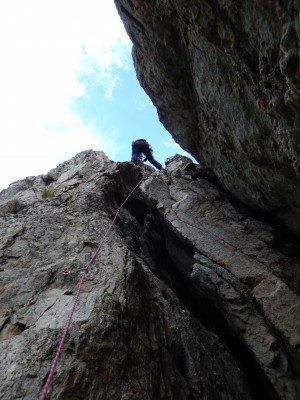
column 191, row 297
column 225, row 78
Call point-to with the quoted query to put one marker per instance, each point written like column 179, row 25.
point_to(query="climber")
column 141, row 146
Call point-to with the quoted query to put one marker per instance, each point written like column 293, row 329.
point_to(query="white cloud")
column 37, row 150
column 171, row 143
column 46, row 47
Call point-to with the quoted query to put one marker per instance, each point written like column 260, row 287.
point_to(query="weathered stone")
column 233, row 265
column 191, row 296
column 224, row 76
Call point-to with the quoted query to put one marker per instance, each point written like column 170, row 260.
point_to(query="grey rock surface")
column 191, row 297
column 225, row 78
column 244, row 275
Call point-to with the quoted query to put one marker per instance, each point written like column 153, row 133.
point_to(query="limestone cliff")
column 225, row 78
column 192, row 297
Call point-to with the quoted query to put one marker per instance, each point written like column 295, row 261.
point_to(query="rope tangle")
column 85, row 270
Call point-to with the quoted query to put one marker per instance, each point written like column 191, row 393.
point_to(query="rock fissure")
column 166, row 312
column 194, row 295
column 213, row 319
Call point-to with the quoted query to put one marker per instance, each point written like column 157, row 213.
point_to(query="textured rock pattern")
column 225, row 78
column 245, row 276
column 190, row 298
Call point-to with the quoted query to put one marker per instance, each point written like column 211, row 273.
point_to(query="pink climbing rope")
column 85, row 271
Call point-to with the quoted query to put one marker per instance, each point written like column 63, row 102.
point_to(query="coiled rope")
column 83, row 275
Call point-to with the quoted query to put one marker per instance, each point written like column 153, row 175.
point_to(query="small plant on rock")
column 47, row 193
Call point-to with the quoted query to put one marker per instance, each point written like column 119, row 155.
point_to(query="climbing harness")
column 83, row 274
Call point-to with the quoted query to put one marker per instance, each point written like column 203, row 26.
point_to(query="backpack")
column 140, row 142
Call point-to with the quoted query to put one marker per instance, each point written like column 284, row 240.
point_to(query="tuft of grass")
column 47, row 193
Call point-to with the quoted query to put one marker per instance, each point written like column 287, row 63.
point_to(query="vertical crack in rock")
column 190, row 298
column 213, row 280
column 164, row 251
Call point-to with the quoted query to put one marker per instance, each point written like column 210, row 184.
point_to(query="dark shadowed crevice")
column 9, row 329
column 151, row 243
column 47, row 179
column 205, row 309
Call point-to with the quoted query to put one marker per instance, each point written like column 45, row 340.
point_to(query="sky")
column 67, row 84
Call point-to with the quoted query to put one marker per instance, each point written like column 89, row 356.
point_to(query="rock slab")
column 191, row 297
